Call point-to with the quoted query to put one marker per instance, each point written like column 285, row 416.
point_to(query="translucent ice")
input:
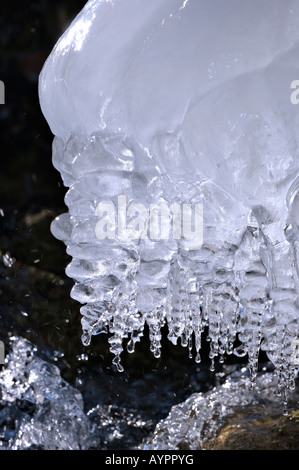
column 181, row 102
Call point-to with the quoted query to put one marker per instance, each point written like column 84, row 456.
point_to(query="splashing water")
column 40, row 410
column 195, row 423
column 172, row 104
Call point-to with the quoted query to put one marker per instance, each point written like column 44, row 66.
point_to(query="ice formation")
column 182, row 102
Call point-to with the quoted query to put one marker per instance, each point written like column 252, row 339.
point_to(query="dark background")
column 31, row 191
column 34, row 291
column 28, row 32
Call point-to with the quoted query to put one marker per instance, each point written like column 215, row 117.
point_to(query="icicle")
column 149, row 161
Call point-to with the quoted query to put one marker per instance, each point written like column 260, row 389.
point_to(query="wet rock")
column 260, row 427
column 232, row 415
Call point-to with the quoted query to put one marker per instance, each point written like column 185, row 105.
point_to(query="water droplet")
column 86, row 338
column 131, row 346
column 240, row 351
column 157, row 353
column 116, row 362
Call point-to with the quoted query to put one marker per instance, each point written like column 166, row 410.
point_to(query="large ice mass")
column 167, row 103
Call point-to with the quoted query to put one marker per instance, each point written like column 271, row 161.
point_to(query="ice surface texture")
column 182, row 102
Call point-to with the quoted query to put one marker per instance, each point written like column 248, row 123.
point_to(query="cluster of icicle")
column 245, row 293
column 182, row 102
